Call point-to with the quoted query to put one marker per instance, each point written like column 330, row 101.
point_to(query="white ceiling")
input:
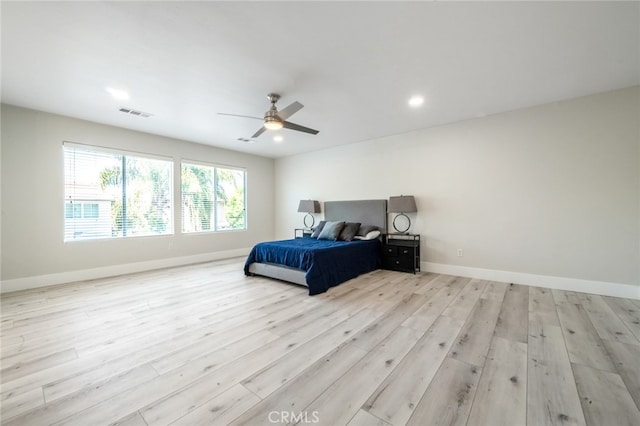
column 352, row 64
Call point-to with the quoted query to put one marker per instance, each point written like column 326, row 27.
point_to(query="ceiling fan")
column 275, row 120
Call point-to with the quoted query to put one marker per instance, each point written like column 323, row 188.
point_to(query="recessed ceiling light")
column 118, row 94
column 278, row 138
column 416, row 101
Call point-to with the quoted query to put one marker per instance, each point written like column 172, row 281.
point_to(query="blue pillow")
column 318, row 229
column 331, row 231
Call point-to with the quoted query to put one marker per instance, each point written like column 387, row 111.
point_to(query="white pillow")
column 370, row 236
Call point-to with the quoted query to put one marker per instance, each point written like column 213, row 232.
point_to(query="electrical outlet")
column 460, row 253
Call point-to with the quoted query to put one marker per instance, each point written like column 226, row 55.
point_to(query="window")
column 79, row 210
column 90, row 211
column 110, row 194
column 213, row 198
column 72, row 211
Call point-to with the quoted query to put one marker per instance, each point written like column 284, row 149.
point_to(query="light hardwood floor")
column 205, row 345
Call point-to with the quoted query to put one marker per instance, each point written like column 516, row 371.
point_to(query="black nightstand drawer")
column 390, row 250
column 401, row 263
column 406, row 251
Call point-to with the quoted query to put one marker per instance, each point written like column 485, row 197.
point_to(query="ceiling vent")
column 136, row 113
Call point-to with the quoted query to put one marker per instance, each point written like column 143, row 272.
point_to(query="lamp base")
column 402, row 231
column 313, row 221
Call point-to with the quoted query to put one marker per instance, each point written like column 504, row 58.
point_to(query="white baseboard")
column 27, row 283
column 559, row 283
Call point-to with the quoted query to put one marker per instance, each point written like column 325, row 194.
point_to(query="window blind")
column 112, row 195
column 213, row 198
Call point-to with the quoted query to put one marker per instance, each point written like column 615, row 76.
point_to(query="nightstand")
column 302, row 233
column 401, row 252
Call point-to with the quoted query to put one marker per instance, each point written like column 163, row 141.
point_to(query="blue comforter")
column 327, row 263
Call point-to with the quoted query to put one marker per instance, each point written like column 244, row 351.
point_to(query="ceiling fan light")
column 273, row 124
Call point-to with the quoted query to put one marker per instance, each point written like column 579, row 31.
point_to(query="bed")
column 322, row 264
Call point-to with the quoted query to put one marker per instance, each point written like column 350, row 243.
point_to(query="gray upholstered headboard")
column 367, row 212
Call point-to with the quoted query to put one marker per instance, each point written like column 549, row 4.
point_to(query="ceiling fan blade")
column 238, row 115
column 260, row 131
column 293, row 126
column 290, row 110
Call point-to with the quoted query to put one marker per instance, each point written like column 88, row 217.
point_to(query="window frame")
column 124, row 153
column 215, row 167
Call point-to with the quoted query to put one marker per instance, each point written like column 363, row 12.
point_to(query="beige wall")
column 552, row 190
column 32, row 199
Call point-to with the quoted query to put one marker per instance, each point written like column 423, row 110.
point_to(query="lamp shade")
column 309, row 206
column 402, row 204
